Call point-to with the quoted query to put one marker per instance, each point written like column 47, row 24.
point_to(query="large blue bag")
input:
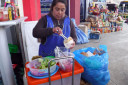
column 81, row 36
column 95, row 67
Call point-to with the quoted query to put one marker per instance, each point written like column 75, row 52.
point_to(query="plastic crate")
column 13, row 48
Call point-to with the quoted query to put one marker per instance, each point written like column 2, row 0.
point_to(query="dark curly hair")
column 56, row 1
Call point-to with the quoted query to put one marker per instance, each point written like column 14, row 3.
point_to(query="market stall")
column 105, row 21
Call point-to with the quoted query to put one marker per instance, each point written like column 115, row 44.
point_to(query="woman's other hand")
column 57, row 30
column 72, row 45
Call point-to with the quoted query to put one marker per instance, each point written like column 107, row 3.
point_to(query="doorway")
column 82, row 10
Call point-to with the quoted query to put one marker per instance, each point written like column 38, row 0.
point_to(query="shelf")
column 12, row 22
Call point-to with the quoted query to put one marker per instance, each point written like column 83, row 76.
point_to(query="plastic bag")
column 95, row 67
column 93, row 62
column 81, row 36
column 96, row 77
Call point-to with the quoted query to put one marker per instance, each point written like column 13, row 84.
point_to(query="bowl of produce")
column 39, row 67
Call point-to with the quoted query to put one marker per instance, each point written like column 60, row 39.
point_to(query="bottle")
column 17, row 11
column 10, row 13
column 13, row 17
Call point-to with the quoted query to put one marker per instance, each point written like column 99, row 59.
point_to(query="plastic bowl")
column 33, row 66
column 66, row 64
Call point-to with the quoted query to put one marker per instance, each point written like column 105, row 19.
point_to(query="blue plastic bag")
column 95, row 67
column 81, row 36
column 93, row 62
column 96, row 77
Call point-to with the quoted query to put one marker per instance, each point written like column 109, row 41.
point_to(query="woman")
column 91, row 9
column 116, row 11
column 49, row 28
column 96, row 10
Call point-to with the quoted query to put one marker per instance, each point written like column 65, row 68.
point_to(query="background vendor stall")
column 106, row 20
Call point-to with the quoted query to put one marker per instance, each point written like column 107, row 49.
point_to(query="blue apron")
column 54, row 40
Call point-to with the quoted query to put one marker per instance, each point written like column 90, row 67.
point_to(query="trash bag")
column 81, row 36
column 95, row 67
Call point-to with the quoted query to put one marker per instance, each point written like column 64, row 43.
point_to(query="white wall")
column 31, row 44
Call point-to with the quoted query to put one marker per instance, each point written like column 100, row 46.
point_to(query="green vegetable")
column 40, row 60
column 52, row 63
column 44, row 63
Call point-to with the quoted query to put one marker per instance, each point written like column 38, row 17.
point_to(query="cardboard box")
column 92, row 18
column 84, row 28
column 88, row 24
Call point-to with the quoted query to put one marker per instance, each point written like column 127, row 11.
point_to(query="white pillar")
column 87, row 5
column 69, row 8
column 0, row 3
column 5, row 60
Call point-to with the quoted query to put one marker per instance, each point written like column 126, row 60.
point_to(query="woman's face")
column 59, row 10
column 96, row 6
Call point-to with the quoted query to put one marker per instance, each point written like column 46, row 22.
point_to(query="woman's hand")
column 72, row 45
column 57, row 30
